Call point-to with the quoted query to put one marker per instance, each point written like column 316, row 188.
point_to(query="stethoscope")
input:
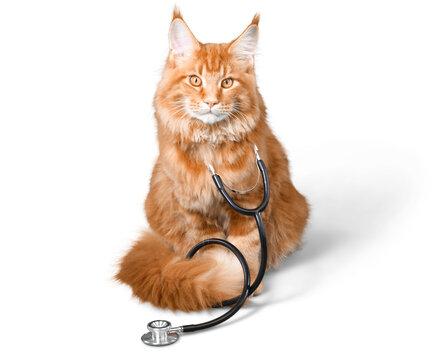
column 160, row 331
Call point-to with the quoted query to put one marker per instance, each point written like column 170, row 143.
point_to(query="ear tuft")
column 256, row 19
column 177, row 13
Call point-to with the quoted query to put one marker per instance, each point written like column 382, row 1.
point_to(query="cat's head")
column 208, row 92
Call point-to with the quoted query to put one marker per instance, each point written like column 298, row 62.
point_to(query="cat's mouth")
column 209, row 117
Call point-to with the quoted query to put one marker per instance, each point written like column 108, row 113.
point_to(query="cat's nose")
column 211, row 103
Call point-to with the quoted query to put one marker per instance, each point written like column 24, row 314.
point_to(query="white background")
column 351, row 88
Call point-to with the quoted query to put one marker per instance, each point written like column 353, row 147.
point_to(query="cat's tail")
column 164, row 278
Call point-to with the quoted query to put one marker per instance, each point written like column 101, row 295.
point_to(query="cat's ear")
column 181, row 40
column 245, row 46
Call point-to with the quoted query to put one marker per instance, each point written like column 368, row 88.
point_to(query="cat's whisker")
column 176, row 112
column 179, row 106
column 241, row 114
column 234, row 116
column 180, row 101
column 234, row 109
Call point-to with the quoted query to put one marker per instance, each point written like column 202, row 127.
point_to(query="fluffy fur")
column 200, row 125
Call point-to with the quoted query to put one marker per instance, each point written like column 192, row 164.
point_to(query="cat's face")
column 208, row 86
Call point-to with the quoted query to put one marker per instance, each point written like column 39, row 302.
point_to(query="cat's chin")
column 210, row 118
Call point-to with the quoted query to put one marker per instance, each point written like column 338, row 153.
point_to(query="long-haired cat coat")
column 209, row 111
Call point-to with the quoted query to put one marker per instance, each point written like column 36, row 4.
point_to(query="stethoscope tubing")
column 248, row 289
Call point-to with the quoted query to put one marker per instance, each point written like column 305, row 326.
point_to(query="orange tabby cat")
column 209, row 111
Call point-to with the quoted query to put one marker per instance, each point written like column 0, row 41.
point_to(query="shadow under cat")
column 347, row 212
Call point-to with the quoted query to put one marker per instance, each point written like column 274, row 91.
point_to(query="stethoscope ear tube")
column 159, row 336
column 266, row 192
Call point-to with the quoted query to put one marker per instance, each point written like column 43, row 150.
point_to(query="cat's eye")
column 227, row 83
column 195, row 80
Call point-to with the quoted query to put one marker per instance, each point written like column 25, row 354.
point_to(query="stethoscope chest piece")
column 159, row 334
